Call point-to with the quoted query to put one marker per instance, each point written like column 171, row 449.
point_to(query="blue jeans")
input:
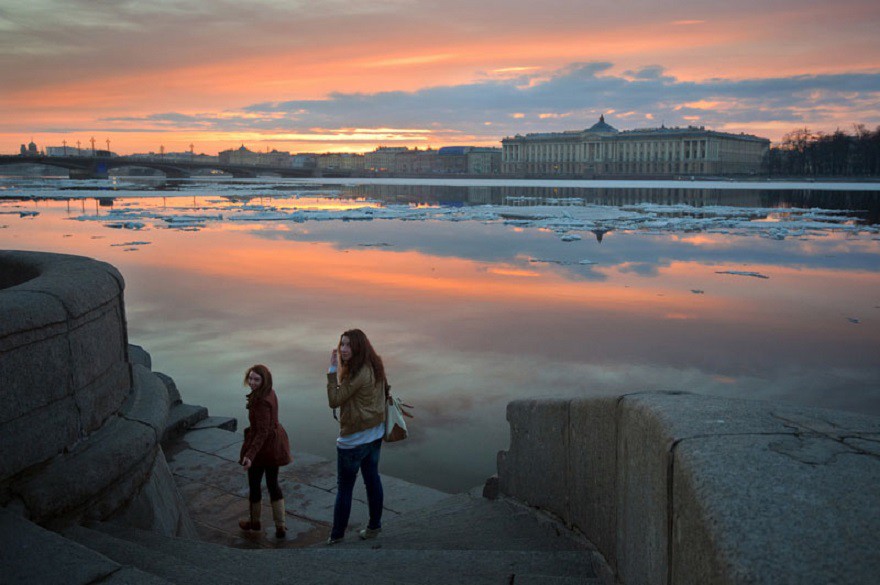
column 348, row 461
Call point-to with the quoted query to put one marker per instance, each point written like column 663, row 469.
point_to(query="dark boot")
column 254, row 522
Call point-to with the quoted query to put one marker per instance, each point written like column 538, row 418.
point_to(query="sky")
column 348, row 76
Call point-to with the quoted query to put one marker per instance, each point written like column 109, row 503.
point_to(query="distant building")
column 453, row 159
column 275, row 158
column 484, row 161
column 245, row 157
column 381, row 160
column 603, row 150
column 60, row 151
column 30, row 149
column 341, row 162
column 239, row 156
column 415, row 162
column 304, row 160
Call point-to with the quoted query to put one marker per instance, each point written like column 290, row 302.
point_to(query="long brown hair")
column 264, row 388
column 362, row 352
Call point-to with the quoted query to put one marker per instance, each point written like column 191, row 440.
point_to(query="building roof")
column 602, row 126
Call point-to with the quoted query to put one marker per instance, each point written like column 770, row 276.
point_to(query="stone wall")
column 677, row 488
column 81, row 426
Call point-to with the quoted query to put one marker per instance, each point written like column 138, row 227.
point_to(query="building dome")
column 602, row 127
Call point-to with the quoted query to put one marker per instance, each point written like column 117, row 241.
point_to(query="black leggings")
column 255, row 478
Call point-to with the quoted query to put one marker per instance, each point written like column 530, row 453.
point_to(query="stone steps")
column 147, row 559
column 469, row 522
column 32, row 554
column 322, row 565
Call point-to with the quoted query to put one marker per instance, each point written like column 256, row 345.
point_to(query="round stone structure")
column 81, row 429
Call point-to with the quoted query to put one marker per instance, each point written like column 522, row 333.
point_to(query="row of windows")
column 616, row 151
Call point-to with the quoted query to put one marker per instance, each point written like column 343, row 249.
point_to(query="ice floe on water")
column 570, row 223
column 199, row 204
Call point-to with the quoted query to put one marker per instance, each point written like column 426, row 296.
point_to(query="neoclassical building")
column 603, row 150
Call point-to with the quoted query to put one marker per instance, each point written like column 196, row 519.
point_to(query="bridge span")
column 98, row 167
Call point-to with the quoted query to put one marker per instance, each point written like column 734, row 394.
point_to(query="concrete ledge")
column 679, row 488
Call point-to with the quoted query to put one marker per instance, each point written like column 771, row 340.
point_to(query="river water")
column 476, row 294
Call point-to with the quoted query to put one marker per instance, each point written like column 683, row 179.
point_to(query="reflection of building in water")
column 603, row 150
column 578, row 196
column 528, row 196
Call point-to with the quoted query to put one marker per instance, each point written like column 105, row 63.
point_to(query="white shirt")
column 361, row 437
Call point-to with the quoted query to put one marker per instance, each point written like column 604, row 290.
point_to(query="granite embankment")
column 107, row 477
column 679, row 488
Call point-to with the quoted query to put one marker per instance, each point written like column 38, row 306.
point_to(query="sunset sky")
column 343, row 75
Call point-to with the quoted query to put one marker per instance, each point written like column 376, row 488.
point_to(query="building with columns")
column 603, row 150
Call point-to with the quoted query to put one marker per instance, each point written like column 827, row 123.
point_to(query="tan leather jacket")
column 360, row 400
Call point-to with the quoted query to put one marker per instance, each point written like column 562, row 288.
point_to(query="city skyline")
column 338, row 76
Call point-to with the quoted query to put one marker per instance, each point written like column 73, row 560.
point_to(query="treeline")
column 839, row 154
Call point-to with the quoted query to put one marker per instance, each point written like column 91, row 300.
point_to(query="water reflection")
column 470, row 315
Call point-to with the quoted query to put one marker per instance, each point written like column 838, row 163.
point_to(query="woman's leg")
column 347, row 463
column 255, row 478
column 277, row 499
column 272, row 483
column 373, row 483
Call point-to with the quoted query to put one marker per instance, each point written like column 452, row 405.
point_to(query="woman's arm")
column 340, row 393
column 259, row 429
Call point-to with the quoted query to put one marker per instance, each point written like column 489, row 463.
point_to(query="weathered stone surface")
column 592, row 460
column 749, row 512
column 183, row 417
column 138, row 355
column 38, row 435
column 96, row 344
column 79, row 283
column 102, row 397
column 30, row 554
column 14, row 269
column 716, row 491
column 24, row 357
column 212, row 440
column 62, row 352
column 531, row 470
column 37, row 316
column 148, row 402
column 72, row 479
column 171, row 385
column 643, row 445
column 227, row 423
column 158, row 506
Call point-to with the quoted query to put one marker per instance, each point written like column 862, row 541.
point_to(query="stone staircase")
column 461, row 539
column 428, row 536
column 491, row 555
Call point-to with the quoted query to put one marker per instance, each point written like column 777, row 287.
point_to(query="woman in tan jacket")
column 356, row 385
column 265, row 449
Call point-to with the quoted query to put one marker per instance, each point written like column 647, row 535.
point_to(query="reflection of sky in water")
column 468, row 318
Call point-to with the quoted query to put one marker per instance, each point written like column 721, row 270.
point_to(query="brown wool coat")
column 265, row 440
column 360, row 400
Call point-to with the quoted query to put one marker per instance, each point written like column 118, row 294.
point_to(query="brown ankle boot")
column 254, row 522
column 278, row 515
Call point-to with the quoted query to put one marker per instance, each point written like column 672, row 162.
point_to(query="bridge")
column 98, row 167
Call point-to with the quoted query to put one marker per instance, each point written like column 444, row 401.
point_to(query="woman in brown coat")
column 265, row 449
